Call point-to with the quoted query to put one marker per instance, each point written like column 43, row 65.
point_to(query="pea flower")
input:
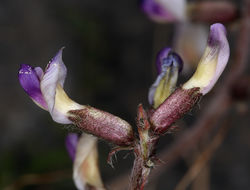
column 164, row 10
column 213, row 61
column 169, row 65
column 46, row 90
column 209, row 69
column 83, row 152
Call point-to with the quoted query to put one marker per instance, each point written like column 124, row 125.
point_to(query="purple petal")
column 71, row 144
column 39, row 72
column 155, row 11
column 54, row 75
column 166, row 57
column 159, row 59
column 169, row 64
column 164, row 10
column 30, row 81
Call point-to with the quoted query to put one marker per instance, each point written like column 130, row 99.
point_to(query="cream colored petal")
column 62, row 105
column 86, row 170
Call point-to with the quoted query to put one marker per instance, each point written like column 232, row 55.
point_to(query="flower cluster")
column 168, row 101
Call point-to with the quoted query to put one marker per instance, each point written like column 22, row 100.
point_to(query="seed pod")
column 103, row 125
column 173, row 108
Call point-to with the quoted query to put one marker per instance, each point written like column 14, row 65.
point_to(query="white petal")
column 51, row 86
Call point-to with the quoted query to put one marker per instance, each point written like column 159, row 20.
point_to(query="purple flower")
column 164, row 10
column 168, row 65
column 213, row 61
column 46, row 88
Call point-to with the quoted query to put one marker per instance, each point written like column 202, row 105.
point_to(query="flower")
column 189, row 41
column 164, row 10
column 46, row 90
column 168, row 64
column 209, row 69
column 83, row 152
column 213, row 61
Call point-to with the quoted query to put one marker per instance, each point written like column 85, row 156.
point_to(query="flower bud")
column 103, row 125
column 169, row 64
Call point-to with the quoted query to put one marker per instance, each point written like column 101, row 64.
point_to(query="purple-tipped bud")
column 167, row 57
column 103, row 125
column 169, row 65
column 173, row 108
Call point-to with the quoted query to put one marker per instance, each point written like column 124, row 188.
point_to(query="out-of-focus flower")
column 46, row 90
column 190, row 43
column 83, row 151
column 164, row 10
column 209, row 69
column 168, row 64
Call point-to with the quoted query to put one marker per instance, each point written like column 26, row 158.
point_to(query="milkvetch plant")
column 168, row 103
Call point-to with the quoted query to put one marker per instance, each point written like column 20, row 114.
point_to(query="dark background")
column 110, row 50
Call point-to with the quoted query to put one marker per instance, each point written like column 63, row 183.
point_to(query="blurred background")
column 110, row 51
